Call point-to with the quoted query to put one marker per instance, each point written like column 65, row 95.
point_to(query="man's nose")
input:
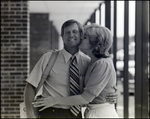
column 71, row 34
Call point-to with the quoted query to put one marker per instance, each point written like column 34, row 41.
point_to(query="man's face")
column 85, row 44
column 71, row 36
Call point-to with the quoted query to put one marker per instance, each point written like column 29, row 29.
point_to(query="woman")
column 99, row 79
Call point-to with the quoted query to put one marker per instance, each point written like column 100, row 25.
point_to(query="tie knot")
column 73, row 58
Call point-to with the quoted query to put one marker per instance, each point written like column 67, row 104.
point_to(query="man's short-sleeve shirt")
column 57, row 84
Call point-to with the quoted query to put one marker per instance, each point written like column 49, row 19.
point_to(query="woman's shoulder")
column 103, row 61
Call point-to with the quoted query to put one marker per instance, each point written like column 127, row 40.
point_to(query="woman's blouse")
column 100, row 79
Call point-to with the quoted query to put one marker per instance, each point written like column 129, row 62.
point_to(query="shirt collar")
column 77, row 56
column 67, row 55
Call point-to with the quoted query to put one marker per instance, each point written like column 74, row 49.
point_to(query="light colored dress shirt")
column 100, row 80
column 57, row 84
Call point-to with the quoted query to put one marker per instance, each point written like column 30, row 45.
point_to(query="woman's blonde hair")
column 100, row 38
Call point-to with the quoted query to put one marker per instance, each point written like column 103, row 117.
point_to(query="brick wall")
column 14, row 55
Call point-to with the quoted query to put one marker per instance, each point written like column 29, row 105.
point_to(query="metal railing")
column 141, row 56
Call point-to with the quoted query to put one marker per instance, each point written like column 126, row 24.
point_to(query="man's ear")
column 62, row 38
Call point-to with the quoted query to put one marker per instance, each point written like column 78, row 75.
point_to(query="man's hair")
column 70, row 22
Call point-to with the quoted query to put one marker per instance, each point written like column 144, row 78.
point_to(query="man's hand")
column 33, row 114
column 113, row 97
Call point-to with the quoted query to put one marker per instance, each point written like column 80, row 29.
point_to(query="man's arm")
column 29, row 95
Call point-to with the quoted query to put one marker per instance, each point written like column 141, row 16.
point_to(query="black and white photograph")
column 75, row 59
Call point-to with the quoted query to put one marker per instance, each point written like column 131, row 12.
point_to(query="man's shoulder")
column 47, row 54
column 50, row 51
column 84, row 56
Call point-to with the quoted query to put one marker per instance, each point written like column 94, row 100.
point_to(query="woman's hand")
column 44, row 102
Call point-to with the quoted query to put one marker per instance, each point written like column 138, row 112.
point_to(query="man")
column 58, row 82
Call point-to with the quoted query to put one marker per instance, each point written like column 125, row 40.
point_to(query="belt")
column 52, row 109
column 56, row 112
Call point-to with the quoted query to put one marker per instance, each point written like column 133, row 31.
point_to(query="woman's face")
column 85, row 44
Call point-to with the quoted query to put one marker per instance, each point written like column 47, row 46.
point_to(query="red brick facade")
column 14, row 55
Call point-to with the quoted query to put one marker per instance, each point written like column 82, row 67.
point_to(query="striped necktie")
column 74, row 84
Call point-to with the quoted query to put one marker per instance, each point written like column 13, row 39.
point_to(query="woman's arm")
column 71, row 100
column 50, row 101
column 97, row 81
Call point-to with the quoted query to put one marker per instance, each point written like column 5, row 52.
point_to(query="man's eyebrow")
column 76, row 29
